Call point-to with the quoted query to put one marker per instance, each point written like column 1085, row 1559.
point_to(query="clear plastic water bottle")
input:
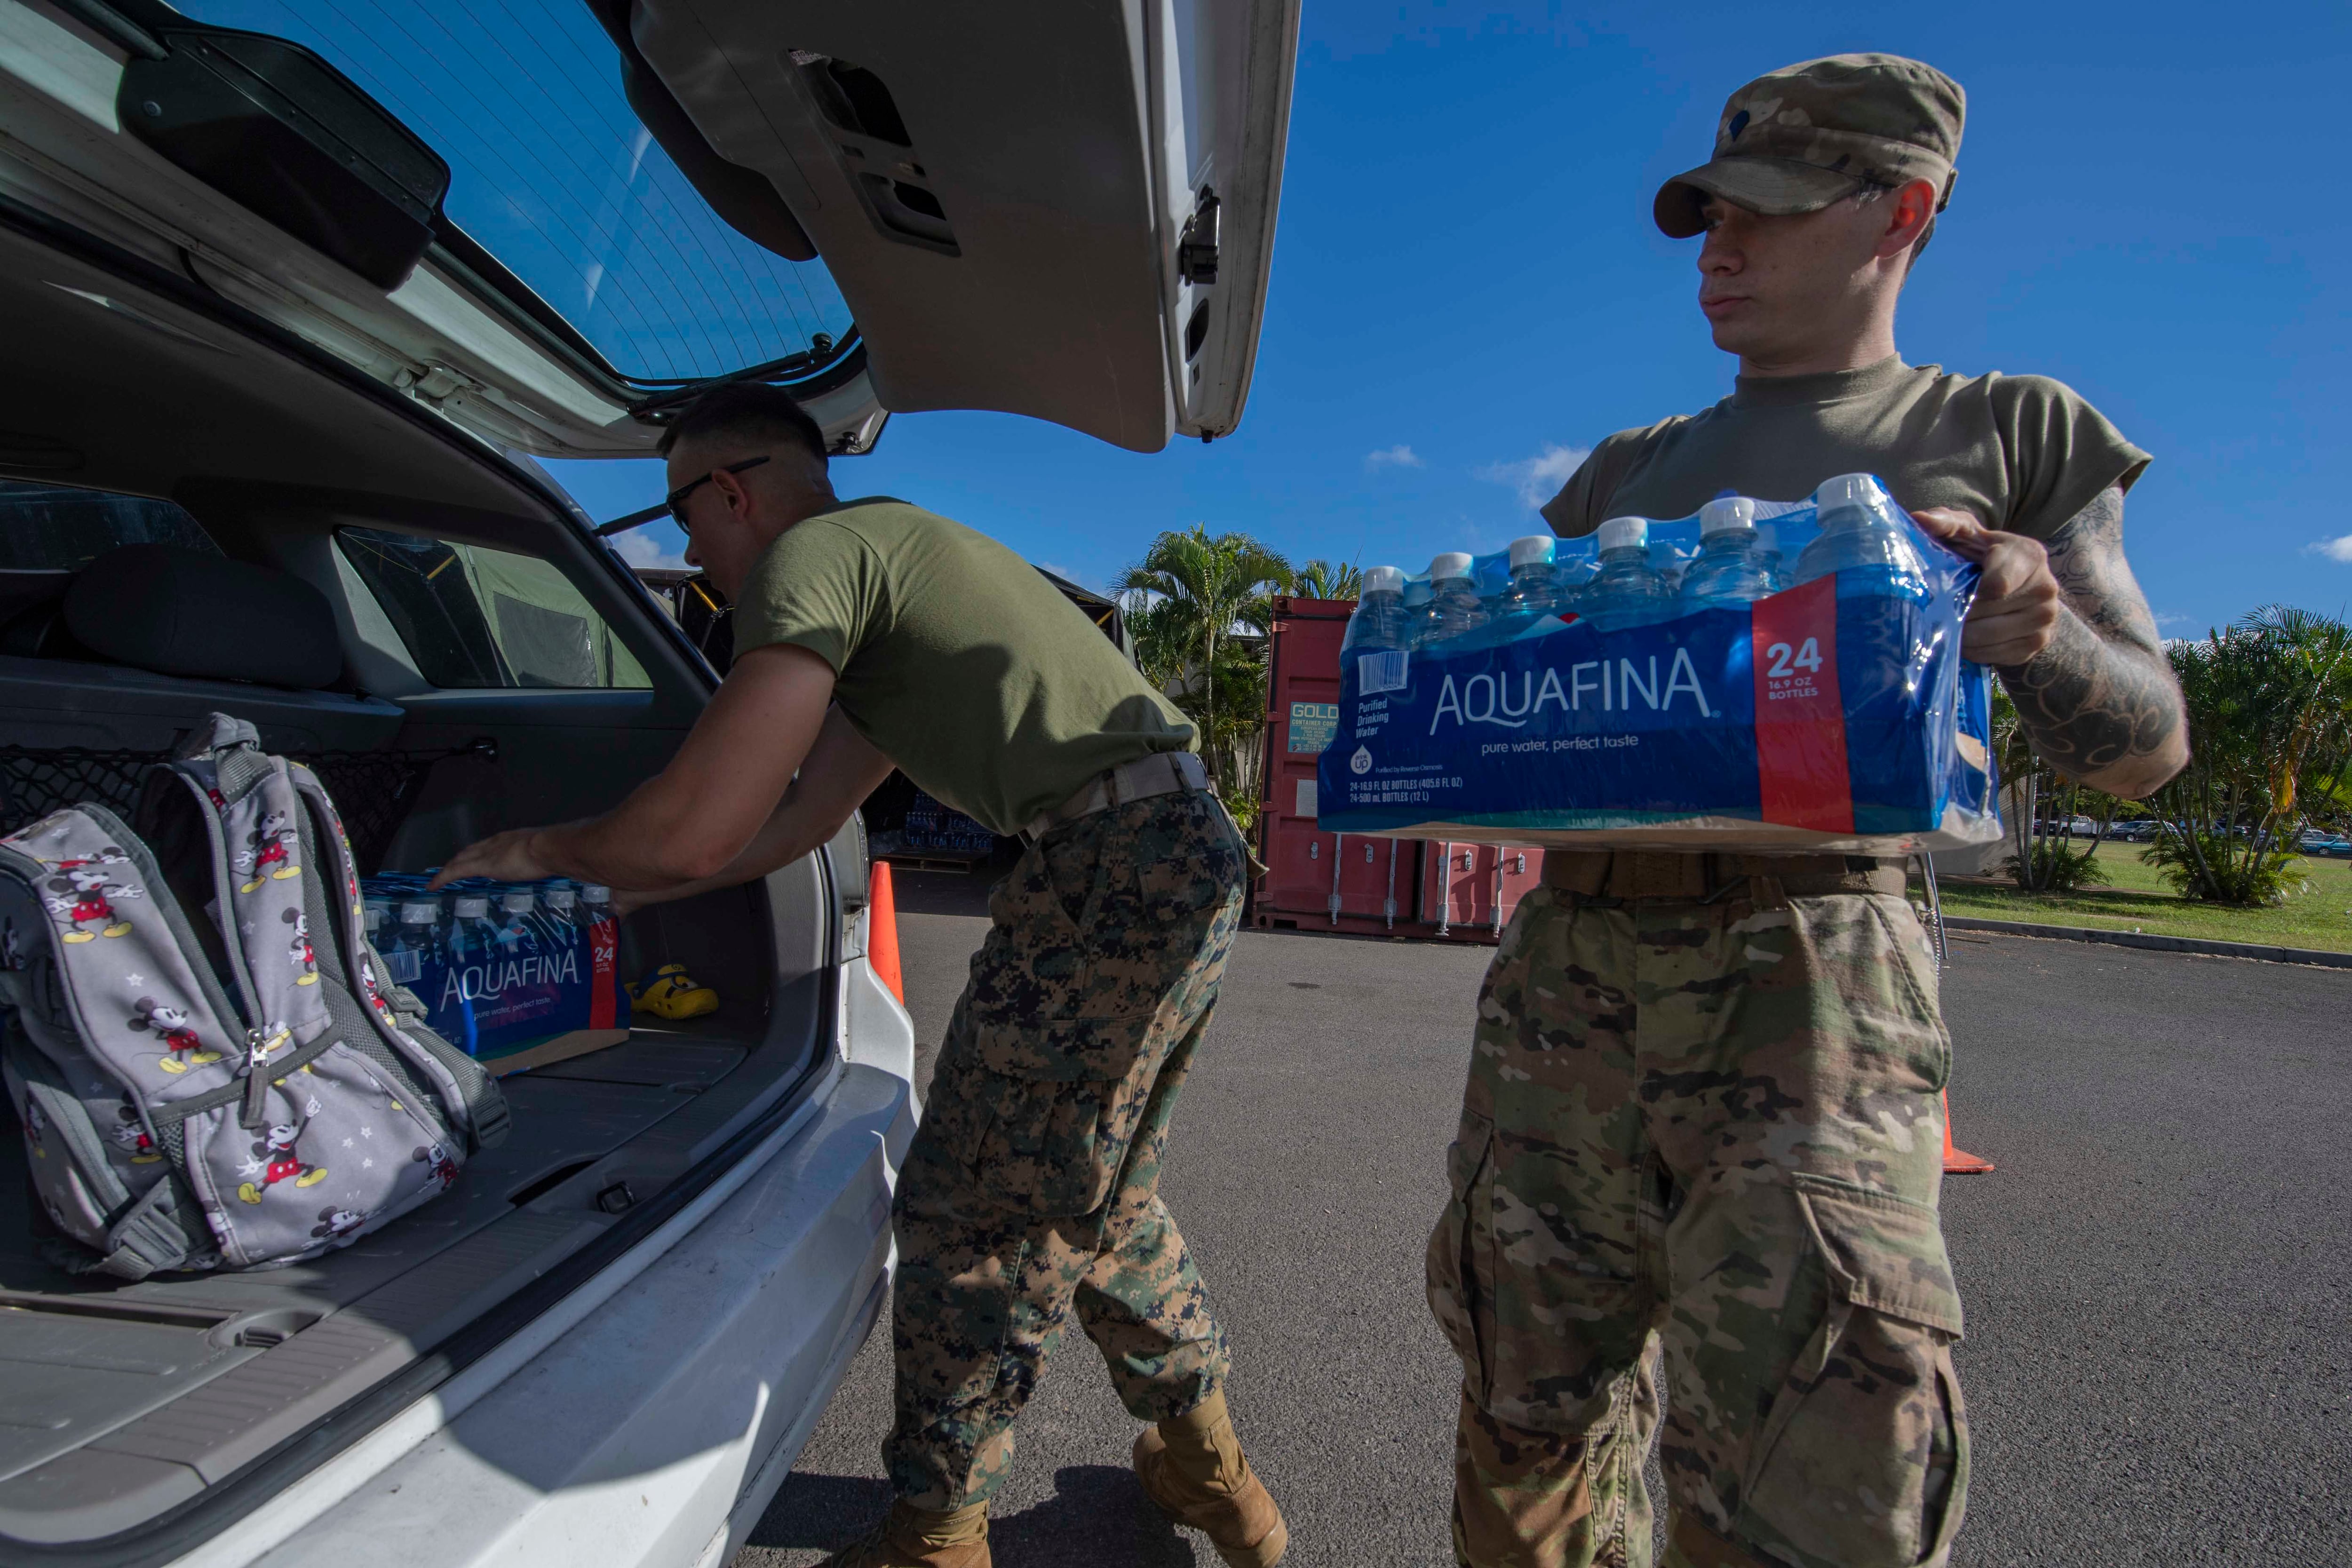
column 1863, row 542
column 415, row 940
column 1730, row 567
column 563, row 903
column 473, row 934
column 596, row 903
column 1453, row 610
column 1534, row 592
column 519, row 919
column 1627, row 591
column 472, row 946
column 1378, row 624
column 1768, row 552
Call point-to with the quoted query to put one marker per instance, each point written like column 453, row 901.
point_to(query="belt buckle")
column 1664, row 874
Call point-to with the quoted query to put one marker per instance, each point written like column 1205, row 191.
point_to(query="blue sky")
column 1468, row 287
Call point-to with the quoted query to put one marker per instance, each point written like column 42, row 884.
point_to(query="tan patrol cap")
column 1806, row 135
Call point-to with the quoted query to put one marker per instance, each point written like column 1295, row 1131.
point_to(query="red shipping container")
column 1329, row 881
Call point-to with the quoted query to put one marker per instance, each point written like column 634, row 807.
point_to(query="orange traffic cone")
column 1958, row 1162
column 882, row 931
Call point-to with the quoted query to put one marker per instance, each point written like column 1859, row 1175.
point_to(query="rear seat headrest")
column 188, row 613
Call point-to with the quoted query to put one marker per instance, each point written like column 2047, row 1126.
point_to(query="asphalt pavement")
column 2159, row 1365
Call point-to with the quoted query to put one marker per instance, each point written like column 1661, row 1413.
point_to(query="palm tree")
column 1192, row 589
column 1327, row 580
column 2269, row 722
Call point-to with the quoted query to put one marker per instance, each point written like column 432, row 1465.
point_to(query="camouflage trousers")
column 1701, row 1142
column 1031, row 1191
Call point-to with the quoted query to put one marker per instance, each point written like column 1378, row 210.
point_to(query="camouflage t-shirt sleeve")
column 820, row 586
column 2061, row 452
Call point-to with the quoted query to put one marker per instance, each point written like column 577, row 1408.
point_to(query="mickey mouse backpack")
column 211, row 1066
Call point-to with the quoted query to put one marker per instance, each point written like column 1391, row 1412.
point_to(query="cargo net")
column 371, row 790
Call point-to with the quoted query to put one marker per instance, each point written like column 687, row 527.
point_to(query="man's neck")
column 802, row 507
column 1869, row 342
column 1814, row 365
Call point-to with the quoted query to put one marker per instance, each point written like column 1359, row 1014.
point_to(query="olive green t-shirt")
column 956, row 658
column 2023, row 453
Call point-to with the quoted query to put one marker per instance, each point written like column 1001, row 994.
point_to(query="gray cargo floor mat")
column 118, row 1400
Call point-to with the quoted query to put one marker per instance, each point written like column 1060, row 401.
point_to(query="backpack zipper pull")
column 257, row 1080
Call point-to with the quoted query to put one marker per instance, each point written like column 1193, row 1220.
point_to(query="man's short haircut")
column 746, row 414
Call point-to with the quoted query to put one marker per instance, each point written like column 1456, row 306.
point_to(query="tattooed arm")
column 2070, row 632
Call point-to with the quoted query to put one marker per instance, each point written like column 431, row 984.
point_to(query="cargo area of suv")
column 497, row 668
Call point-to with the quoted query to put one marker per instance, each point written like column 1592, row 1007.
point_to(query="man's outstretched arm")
column 2071, row 633
column 699, row 816
column 841, row 769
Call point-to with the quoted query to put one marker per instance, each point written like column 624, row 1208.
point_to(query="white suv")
column 307, row 289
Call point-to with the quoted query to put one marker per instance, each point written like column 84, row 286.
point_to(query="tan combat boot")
column 1193, row 1468
column 912, row 1536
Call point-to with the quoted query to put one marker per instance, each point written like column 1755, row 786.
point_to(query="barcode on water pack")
column 403, row 967
column 1379, row 672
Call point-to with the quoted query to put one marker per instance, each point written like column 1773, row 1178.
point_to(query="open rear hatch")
column 551, row 221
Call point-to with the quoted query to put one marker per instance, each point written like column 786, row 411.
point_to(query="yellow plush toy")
column 669, row 993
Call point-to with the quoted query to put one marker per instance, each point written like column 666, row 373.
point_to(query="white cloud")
column 2339, row 549
column 639, row 548
column 1397, row 457
column 1536, row 479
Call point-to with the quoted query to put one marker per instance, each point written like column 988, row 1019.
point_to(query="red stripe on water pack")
column 1800, row 720
column 603, row 942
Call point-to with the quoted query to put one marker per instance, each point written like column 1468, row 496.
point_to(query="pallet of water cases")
column 1315, row 880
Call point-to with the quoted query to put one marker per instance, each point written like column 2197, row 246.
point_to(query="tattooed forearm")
column 2100, row 703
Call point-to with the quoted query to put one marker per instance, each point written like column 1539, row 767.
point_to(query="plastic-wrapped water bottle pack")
column 1764, row 676
column 502, row 967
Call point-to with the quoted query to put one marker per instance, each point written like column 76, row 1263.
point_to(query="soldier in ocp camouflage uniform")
column 1701, row 1147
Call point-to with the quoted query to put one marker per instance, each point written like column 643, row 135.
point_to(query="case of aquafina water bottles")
column 1765, row 676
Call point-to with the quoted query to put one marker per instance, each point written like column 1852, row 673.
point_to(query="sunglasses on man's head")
column 675, row 499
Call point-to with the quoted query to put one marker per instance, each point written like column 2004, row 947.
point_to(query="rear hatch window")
column 551, row 172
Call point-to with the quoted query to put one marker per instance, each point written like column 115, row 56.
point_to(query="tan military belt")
column 1665, row 874
column 1162, row 773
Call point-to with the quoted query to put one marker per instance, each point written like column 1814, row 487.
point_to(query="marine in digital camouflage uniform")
column 1700, row 1152
column 872, row 633
column 1031, row 1195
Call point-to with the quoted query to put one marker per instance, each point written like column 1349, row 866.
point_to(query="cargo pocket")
column 1864, row 1455
column 1914, row 965
column 1163, row 922
column 1461, row 1254
column 1054, row 1107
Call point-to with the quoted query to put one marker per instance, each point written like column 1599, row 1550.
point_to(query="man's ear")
column 738, row 493
column 1910, row 210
